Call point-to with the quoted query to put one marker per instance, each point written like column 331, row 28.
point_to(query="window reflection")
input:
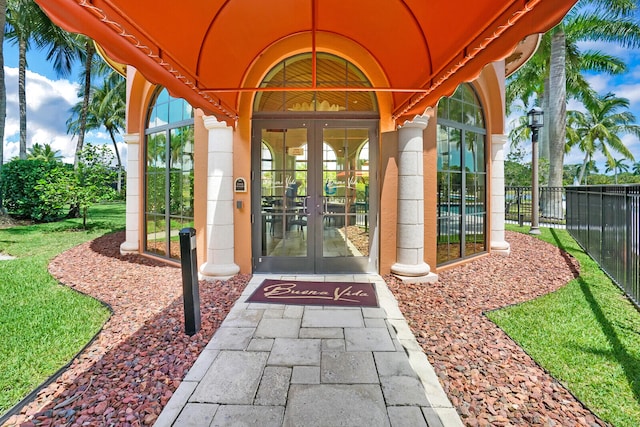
column 462, row 176
column 168, row 174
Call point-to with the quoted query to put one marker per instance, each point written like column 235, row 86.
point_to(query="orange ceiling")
column 202, row 50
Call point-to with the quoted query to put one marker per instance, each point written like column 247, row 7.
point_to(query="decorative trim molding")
column 133, row 40
column 470, row 53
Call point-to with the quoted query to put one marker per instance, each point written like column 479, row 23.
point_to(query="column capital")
column 498, row 139
column 212, row 122
column 131, row 138
column 420, row 122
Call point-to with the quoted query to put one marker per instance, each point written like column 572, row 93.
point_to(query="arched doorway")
column 314, row 163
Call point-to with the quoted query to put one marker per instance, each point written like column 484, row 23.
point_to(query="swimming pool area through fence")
column 551, row 210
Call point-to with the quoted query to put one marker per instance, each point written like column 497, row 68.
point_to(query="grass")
column 43, row 324
column 587, row 335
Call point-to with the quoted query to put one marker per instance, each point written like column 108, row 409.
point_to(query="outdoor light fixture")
column 535, row 118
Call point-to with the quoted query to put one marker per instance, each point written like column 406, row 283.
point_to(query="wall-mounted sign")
column 240, row 185
column 295, row 151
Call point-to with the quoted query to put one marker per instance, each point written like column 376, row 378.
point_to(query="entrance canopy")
column 202, row 50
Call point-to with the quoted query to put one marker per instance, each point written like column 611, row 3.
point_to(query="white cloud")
column 629, row 91
column 599, row 82
column 613, row 49
column 48, row 108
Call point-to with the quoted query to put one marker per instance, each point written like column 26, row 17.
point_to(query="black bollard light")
column 190, row 290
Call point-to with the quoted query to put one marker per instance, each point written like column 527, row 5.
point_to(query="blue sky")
column 50, row 97
column 626, row 85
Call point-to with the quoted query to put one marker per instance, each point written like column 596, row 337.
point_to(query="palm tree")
column 27, row 24
column 599, row 129
column 618, row 166
column 590, row 168
column 636, row 168
column 557, row 66
column 22, row 18
column 106, row 108
column 44, row 152
column 3, row 89
column 88, row 53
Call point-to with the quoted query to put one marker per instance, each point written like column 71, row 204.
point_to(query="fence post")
column 520, row 218
column 190, row 290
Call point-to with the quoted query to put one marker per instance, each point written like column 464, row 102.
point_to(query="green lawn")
column 42, row 324
column 587, row 335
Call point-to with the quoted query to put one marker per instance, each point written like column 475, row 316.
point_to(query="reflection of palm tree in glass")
column 156, row 148
column 181, row 147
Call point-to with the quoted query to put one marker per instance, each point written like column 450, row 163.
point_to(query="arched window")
column 168, row 174
column 296, row 73
column 462, row 176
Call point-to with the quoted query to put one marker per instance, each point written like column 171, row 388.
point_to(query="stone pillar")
column 410, row 265
column 498, row 244
column 131, row 243
column 220, row 234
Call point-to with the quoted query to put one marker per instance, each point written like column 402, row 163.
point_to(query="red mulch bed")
column 488, row 378
column 127, row 375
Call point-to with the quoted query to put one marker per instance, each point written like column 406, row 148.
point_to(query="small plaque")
column 241, row 185
column 295, row 151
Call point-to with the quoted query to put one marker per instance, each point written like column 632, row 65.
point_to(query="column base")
column 429, row 278
column 211, row 272
column 501, row 248
column 128, row 248
column 418, row 273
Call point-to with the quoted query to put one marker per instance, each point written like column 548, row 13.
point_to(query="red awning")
column 202, row 50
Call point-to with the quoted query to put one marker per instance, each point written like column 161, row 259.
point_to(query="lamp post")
column 535, row 118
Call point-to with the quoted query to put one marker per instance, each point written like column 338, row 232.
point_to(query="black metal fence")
column 605, row 221
column 552, row 206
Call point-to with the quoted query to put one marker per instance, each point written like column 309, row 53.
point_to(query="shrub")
column 45, row 190
column 21, row 197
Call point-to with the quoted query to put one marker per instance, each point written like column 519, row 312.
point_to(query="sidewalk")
column 288, row 365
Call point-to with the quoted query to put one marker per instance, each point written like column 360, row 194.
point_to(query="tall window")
column 462, row 176
column 168, row 174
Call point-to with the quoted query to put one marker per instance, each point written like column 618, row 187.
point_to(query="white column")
column 131, row 245
column 410, row 265
column 220, row 235
column 498, row 244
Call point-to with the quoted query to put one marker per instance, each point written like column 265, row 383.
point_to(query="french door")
column 314, row 187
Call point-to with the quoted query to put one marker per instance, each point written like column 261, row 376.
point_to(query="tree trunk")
column 115, row 147
column 22, row 95
column 544, row 132
column 82, row 128
column 556, row 119
column 3, row 90
column 584, row 168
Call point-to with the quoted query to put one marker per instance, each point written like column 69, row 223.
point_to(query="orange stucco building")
column 315, row 136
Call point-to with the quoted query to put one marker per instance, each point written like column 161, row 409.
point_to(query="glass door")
column 344, row 242
column 311, row 187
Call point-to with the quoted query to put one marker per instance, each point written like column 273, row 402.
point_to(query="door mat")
column 296, row 292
